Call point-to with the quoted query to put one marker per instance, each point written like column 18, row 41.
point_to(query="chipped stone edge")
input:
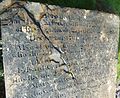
column 7, row 3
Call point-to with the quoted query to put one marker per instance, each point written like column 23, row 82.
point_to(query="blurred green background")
column 111, row 6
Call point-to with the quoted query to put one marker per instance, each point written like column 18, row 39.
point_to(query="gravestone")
column 54, row 52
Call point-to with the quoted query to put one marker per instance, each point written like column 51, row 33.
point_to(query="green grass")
column 118, row 68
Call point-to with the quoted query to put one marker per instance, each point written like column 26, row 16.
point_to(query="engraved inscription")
column 60, row 53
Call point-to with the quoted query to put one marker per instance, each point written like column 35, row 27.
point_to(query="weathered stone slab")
column 53, row 52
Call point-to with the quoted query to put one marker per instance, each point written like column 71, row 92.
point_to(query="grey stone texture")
column 54, row 52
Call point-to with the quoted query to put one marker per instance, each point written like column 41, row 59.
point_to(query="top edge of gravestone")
column 32, row 6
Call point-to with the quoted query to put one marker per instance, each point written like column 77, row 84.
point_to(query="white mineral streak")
column 86, row 13
column 56, row 56
column 109, row 86
column 109, row 83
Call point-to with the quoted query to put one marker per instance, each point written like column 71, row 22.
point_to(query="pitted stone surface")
column 53, row 52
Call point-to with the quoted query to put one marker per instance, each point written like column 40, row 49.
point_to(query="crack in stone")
column 31, row 16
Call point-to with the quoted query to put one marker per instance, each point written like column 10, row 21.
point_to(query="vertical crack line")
column 31, row 16
column 69, row 72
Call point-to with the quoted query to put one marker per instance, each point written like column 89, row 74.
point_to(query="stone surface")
column 53, row 52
